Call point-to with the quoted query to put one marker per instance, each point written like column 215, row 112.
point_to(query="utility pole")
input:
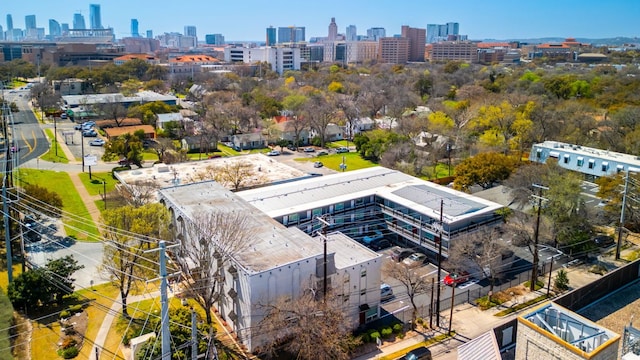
column 536, row 233
column 323, row 235
column 624, row 205
column 164, row 302
column 194, row 336
column 441, row 229
column 6, row 182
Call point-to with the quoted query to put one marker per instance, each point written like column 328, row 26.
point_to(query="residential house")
column 163, row 119
column 248, row 141
column 112, row 133
column 332, row 132
column 199, row 144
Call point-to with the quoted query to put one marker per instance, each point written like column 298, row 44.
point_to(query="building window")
column 363, row 273
column 580, row 161
column 605, row 166
column 566, row 159
column 539, row 153
column 592, row 164
column 363, row 292
column 620, row 168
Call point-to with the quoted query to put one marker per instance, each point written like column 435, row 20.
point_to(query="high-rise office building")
column 9, row 22
column 190, row 30
column 30, row 22
column 440, row 32
column 291, row 34
column 351, row 33
column 1, row 33
column 94, row 16
column 134, row 28
column 78, row 21
column 417, row 40
column 376, row 33
column 333, row 30
column 64, row 27
column 54, row 29
column 214, row 39
column 271, row 36
column 149, row 34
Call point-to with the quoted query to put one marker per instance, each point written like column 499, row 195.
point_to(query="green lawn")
column 6, row 317
column 94, row 185
column 51, row 155
column 352, row 160
column 78, row 225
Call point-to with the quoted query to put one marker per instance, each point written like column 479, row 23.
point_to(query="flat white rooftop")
column 591, row 152
column 419, row 195
column 263, row 169
column 274, row 244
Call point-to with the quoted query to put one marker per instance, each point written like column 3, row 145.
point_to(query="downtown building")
column 281, row 58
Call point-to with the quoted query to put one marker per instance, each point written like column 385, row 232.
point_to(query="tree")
column 113, row 109
column 414, row 283
column 147, row 112
column 484, row 169
column 128, row 146
column 129, row 232
column 234, row 173
column 211, row 240
column 180, row 330
column 138, row 193
column 561, row 282
column 43, row 285
column 51, row 199
column 306, row 328
column 482, row 254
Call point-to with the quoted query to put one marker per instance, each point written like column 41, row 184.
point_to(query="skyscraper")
column 440, row 32
column 376, row 33
column 352, row 33
column 190, row 30
column 30, row 22
column 1, row 33
column 54, row 29
column 9, row 22
column 149, row 34
column 271, row 36
column 134, row 28
column 292, row 34
column 64, row 27
column 94, row 16
column 78, row 21
column 333, row 30
column 214, row 39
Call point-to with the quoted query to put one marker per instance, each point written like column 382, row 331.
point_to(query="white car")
column 97, row 142
column 273, row 153
column 386, row 292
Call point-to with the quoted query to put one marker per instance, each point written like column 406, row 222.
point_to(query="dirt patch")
column 72, row 330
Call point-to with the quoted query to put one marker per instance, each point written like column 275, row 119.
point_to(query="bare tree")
column 306, row 328
column 129, row 232
column 482, row 254
column 413, row 282
column 113, row 109
column 234, row 173
column 211, row 240
column 137, row 194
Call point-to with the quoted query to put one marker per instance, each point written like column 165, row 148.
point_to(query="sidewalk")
column 468, row 322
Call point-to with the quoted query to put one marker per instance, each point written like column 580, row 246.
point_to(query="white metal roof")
column 419, row 195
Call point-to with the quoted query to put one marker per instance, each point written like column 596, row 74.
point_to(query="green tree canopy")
column 484, row 169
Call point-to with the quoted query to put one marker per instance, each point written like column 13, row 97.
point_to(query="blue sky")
column 247, row 19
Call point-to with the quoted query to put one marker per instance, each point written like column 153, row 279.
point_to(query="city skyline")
column 489, row 20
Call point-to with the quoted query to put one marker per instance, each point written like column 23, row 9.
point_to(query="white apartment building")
column 280, row 58
column 281, row 261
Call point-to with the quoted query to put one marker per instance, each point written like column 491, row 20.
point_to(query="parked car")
column 381, row 244
column 318, row 164
column 291, row 147
column 273, row 153
column 89, row 133
column 399, row 253
column 123, row 162
column 386, row 292
column 63, row 115
column 372, row 236
column 322, row 153
column 415, row 259
column 77, row 127
column 309, row 149
column 604, row 240
column 421, row 353
column 455, row 278
column 97, row 142
column 342, row 149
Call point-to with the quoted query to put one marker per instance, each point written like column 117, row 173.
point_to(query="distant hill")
column 606, row 41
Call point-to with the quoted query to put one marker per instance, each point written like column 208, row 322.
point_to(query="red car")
column 455, row 278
